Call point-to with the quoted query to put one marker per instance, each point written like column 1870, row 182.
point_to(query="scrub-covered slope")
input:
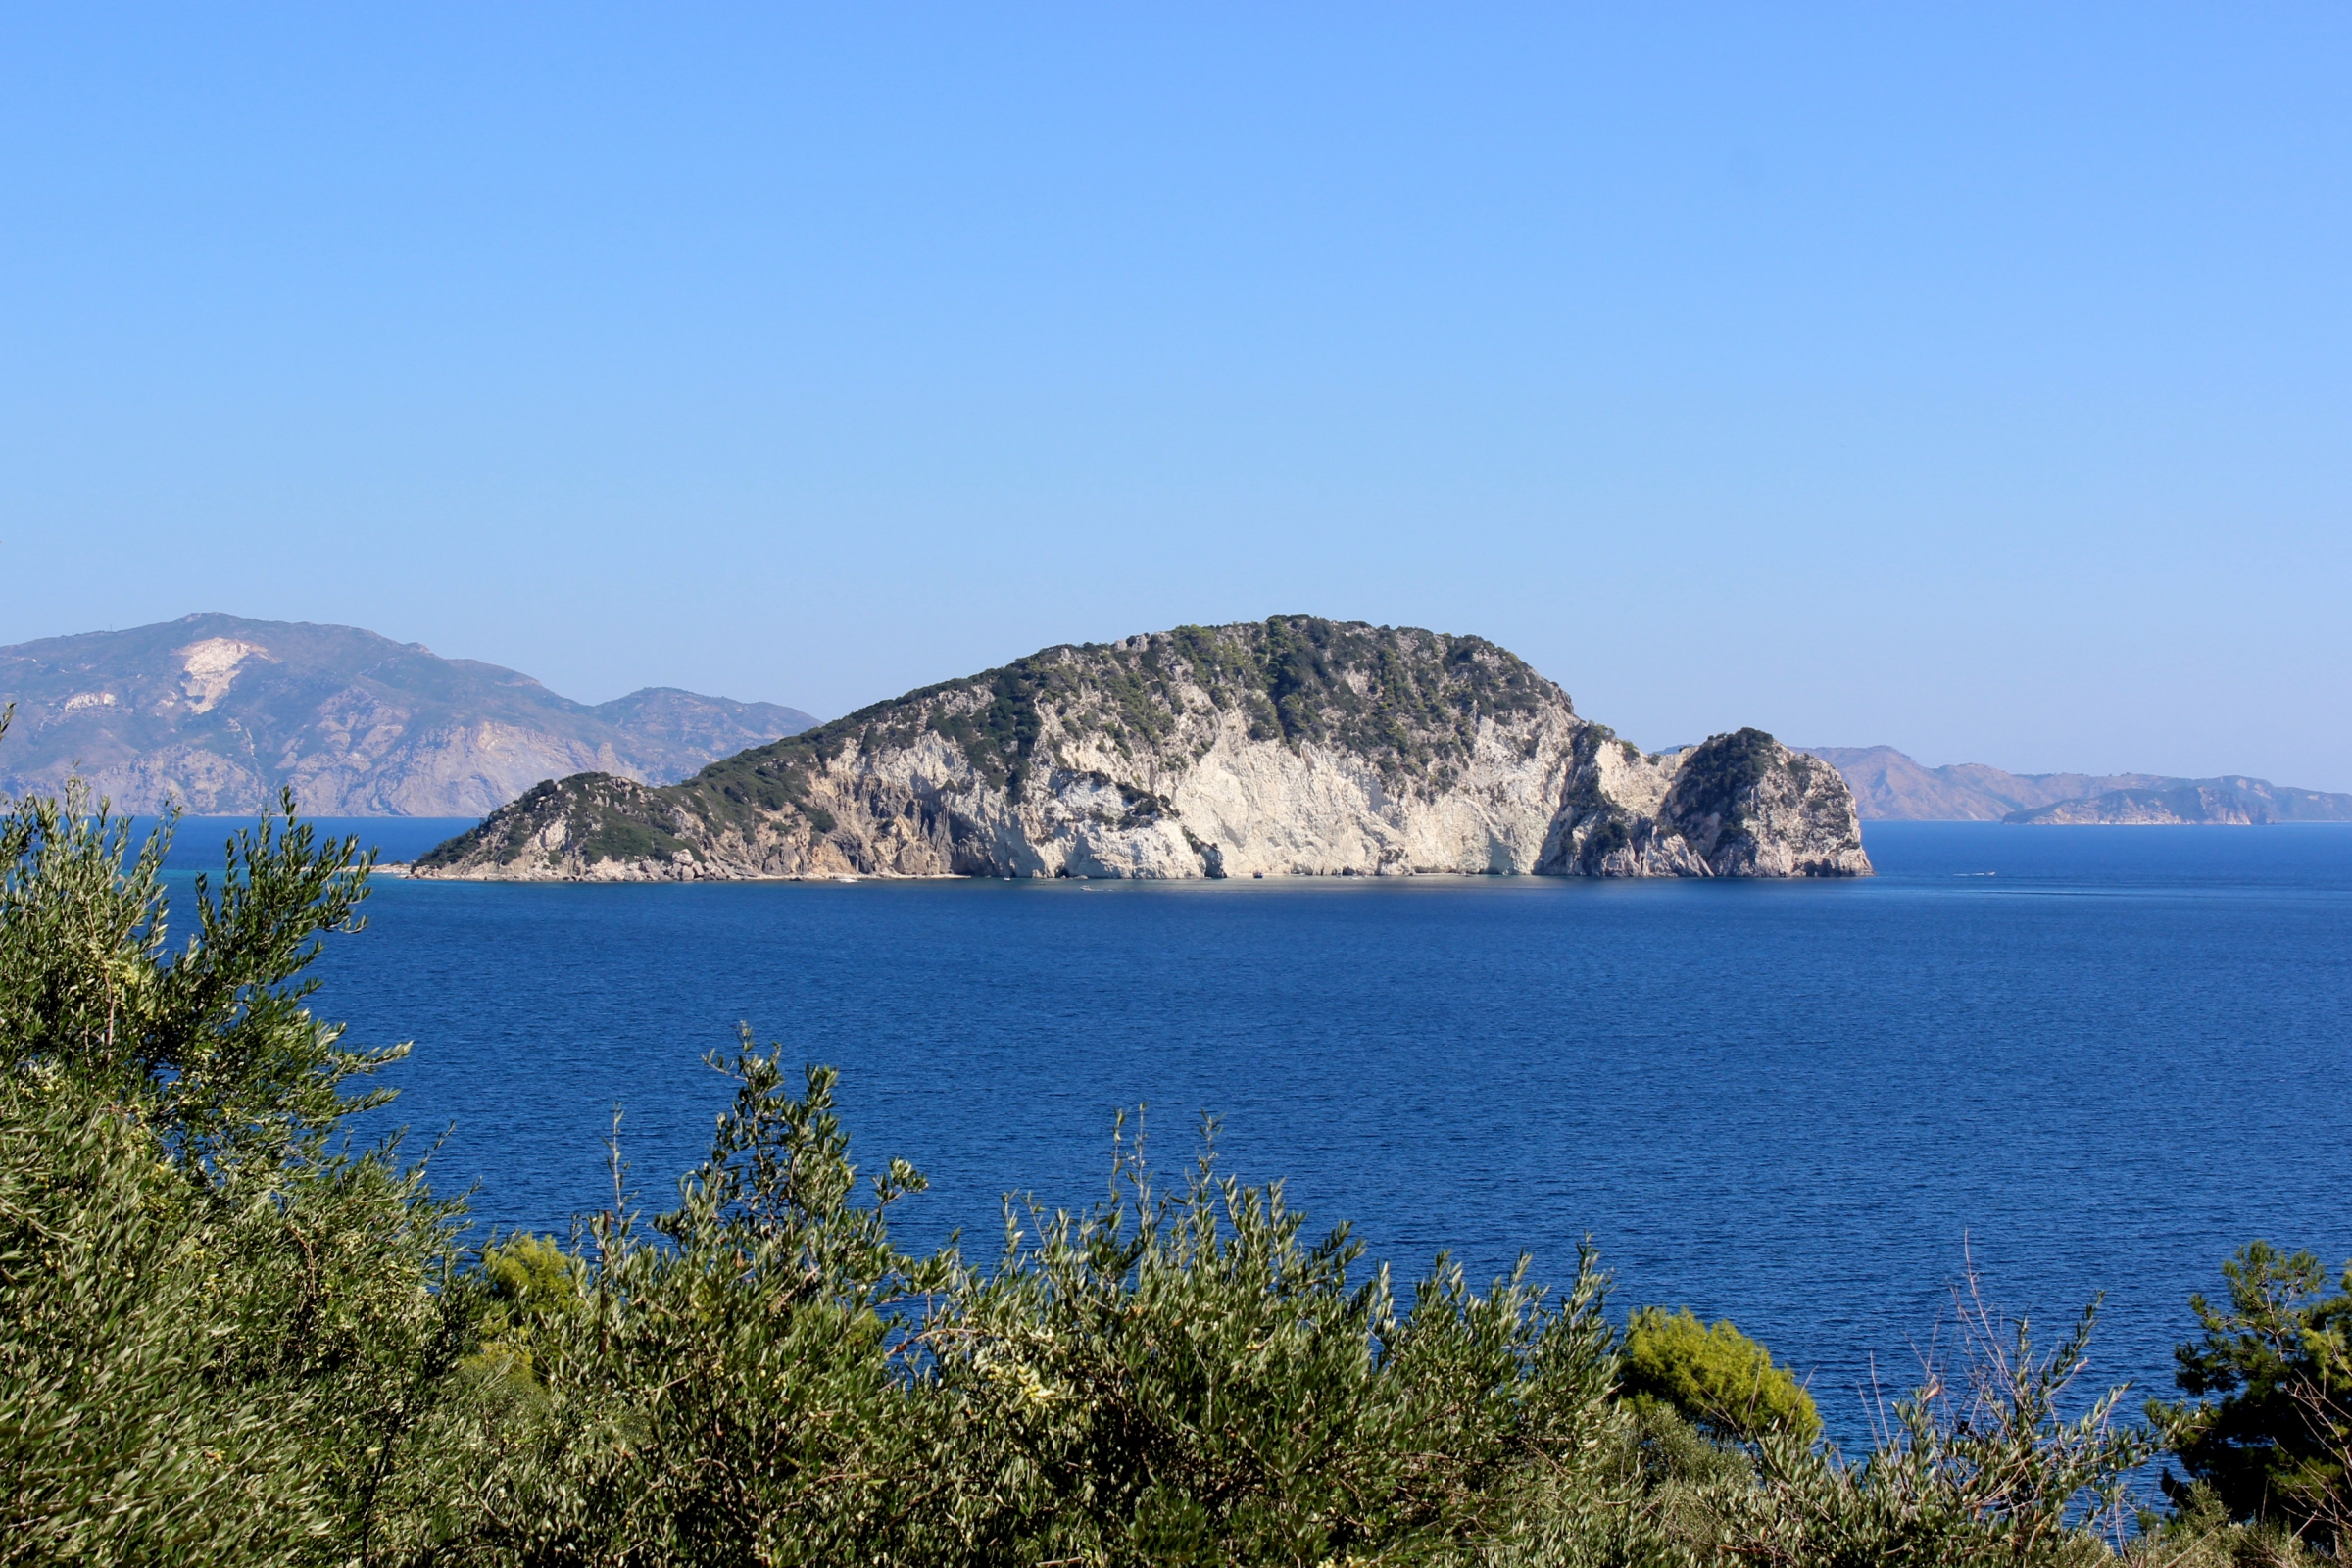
column 1291, row 747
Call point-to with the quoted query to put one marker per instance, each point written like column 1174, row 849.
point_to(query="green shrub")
column 1715, row 1376
column 220, row 1333
column 1978, row 1466
column 734, row 1387
column 1180, row 1376
column 2200, row 1534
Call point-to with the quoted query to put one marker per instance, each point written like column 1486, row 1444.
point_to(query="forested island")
column 229, row 1336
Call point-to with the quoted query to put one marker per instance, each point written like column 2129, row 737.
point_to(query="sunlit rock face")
column 1293, row 747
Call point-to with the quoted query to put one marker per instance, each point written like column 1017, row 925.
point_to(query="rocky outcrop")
column 216, row 715
column 1295, row 747
column 1741, row 804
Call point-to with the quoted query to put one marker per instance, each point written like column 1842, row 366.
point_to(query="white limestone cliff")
column 1291, row 748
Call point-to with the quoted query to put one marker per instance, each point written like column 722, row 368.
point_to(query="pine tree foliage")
column 2268, row 1429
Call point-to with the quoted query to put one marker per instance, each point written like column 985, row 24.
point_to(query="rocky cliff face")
column 1295, row 747
column 1741, row 804
column 218, row 713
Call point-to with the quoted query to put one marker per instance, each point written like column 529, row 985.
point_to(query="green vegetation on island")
column 231, row 1335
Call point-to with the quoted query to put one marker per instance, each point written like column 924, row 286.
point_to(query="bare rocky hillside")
column 218, row 713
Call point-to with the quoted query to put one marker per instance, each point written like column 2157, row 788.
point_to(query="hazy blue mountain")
column 1889, row 787
column 2230, row 801
column 217, row 713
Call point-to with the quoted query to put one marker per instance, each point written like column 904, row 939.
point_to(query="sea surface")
column 2087, row 1060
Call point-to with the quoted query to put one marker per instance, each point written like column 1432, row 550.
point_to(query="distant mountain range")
column 1889, row 787
column 2232, row 801
column 217, row 713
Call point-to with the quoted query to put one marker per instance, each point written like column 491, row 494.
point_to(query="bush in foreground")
column 2270, row 1436
column 228, row 1336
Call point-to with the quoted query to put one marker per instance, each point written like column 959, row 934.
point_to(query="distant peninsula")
column 1890, row 787
column 218, row 713
column 2216, row 801
column 1291, row 746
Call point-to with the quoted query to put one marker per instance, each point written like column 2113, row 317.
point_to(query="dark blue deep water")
column 2099, row 1058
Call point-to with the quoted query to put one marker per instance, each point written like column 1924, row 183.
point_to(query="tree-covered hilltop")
column 229, row 1336
column 1294, row 745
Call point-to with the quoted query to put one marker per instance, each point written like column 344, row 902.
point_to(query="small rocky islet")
column 1290, row 747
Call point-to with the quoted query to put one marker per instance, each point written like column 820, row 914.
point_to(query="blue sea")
column 2088, row 1059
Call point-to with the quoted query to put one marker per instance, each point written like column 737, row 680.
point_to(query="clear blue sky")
column 1970, row 378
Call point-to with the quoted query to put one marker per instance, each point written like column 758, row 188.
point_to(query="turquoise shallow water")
column 2097, row 1059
